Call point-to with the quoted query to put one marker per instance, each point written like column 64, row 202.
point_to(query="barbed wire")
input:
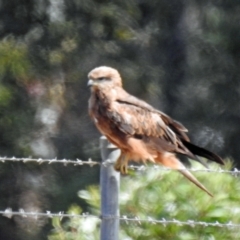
column 191, row 223
column 9, row 214
column 76, row 162
column 92, row 163
column 235, row 171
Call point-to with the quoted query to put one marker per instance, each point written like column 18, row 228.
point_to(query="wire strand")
column 124, row 218
column 76, row 162
column 92, row 163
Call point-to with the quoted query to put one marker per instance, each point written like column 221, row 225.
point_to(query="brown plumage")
column 139, row 130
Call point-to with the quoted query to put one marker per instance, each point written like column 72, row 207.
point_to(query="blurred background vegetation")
column 146, row 198
column 181, row 56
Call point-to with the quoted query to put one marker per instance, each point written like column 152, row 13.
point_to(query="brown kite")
column 139, row 130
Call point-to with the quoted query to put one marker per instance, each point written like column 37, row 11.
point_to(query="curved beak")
column 90, row 83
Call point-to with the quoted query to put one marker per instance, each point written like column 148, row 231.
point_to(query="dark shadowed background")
column 183, row 57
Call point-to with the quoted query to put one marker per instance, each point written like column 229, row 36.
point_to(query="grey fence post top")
column 109, row 181
column 105, row 143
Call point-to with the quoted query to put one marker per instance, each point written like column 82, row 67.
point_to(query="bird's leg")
column 117, row 165
column 121, row 164
column 124, row 166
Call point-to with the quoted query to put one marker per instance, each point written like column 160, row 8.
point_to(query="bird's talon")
column 121, row 166
column 124, row 169
column 117, row 165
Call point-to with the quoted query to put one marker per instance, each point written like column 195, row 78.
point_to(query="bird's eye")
column 101, row 78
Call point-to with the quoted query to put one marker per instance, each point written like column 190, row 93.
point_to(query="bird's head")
column 105, row 77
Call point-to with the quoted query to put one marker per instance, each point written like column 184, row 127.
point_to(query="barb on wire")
column 191, row 223
column 9, row 213
column 76, row 162
column 165, row 222
column 234, row 172
column 91, row 163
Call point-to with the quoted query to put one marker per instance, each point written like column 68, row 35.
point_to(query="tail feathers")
column 170, row 160
column 202, row 152
column 190, row 177
column 196, row 158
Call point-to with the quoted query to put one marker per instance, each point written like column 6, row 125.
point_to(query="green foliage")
column 14, row 59
column 16, row 112
column 180, row 56
column 167, row 194
column 75, row 228
column 5, row 96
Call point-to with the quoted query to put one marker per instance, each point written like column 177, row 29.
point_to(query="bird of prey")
column 140, row 131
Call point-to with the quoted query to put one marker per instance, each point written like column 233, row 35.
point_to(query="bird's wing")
column 137, row 118
column 167, row 123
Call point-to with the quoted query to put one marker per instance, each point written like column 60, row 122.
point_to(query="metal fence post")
column 109, row 182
